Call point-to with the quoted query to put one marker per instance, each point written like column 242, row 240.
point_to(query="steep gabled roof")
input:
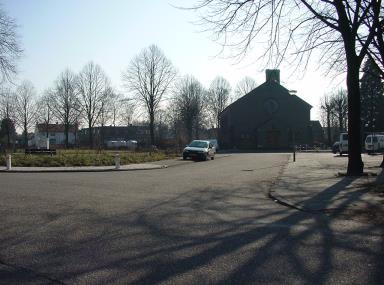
column 274, row 87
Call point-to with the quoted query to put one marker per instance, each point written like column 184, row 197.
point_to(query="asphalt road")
column 192, row 223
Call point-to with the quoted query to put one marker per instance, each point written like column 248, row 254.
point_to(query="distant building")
column 101, row 135
column 268, row 117
column 317, row 136
column 55, row 133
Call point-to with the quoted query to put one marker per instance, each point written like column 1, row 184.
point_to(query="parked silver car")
column 199, row 149
column 215, row 143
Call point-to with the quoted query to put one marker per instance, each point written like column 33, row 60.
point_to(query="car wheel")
column 212, row 158
column 184, row 157
column 341, row 153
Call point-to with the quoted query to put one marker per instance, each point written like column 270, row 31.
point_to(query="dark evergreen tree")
column 7, row 132
column 372, row 100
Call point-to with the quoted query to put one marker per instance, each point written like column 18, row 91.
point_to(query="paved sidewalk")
column 312, row 184
column 129, row 167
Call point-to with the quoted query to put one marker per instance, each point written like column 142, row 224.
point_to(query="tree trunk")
column 66, row 131
column 197, row 131
column 355, row 163
column 102, row 137
column 341, row 125
column 152, row 127
column 329, row 128
column 25, row 139
column 90, row 135
column 8, row 134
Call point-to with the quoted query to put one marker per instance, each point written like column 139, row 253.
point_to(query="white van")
column 374, row 142
column 343, row 143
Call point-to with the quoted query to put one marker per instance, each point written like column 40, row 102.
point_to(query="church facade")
column 268, row 117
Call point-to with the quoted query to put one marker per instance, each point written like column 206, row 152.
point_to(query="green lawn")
column 85, row 158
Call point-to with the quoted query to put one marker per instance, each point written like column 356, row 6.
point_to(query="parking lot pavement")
column 208, row 222
column 315, row 182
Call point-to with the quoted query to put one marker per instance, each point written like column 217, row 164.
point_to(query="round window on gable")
column 271, row 106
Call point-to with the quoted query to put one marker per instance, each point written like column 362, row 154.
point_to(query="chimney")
column 273, row 75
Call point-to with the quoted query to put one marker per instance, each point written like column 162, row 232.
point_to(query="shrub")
column 84, row 158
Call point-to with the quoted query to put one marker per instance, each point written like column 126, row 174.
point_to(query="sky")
column 58, row 34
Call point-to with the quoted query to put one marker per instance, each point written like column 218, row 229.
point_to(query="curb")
column 101, row 169
column 286, row 203
column 64, row 170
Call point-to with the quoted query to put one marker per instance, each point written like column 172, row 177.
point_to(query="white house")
column 55, row 133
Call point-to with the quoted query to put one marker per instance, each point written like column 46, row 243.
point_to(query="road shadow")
column 215, row 235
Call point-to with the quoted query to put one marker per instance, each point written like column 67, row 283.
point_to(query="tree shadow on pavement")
column 215, row 235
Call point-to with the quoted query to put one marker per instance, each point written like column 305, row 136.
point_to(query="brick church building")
column 268, row 117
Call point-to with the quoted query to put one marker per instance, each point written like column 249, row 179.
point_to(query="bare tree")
column 26, row 108
column 339, row 103
column 115, row 107
column 189, row 102
column 65, row 101
column 10, row 49
column 107, row 112
column 45, row 112
column 326, row 109
column 92, row 85
column 217, row 98
column 7, row 110
column 127, row 111
column 7, row 102
column 149, row 76
column 244, row 86
column 348, row 28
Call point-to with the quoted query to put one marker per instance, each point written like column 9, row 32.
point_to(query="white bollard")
column 117, row 161
column 9, row 162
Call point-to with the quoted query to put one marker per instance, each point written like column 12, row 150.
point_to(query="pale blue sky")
column 67, row 34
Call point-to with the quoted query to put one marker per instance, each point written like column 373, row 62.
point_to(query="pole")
column 9, row 162
column 294, row 146
column 117, row 161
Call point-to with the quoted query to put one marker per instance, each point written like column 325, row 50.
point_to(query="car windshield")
column 369, row 139
column 200, row 144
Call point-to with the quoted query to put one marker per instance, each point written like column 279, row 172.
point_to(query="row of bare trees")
column 334, row 113
column 150, row 76
column 18, row 107
column 87, row 98
column 196, row 108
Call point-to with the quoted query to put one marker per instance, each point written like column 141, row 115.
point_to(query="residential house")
column 55, row 133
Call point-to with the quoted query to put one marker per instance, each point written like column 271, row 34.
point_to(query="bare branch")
column 149, row 77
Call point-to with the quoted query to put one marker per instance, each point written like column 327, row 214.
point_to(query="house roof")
column 55, row 128
column 274, row 87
